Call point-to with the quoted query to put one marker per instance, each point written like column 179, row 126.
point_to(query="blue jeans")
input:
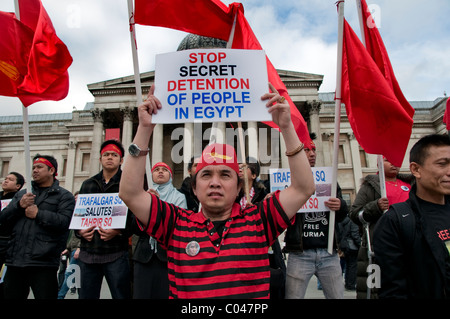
column 302, row 266
column 117, row 274
column 64, row 288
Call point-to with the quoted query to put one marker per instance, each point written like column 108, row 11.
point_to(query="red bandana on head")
column 163, row 165
column 46, row 162
column 218, row 154
column 310, row 145
column 111, row 148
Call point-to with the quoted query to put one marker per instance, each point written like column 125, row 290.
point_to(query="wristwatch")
column 135, row 151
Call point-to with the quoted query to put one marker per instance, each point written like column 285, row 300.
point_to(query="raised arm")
column 133, row 170
column 302, row 182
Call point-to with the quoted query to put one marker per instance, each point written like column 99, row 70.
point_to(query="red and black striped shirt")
column 235, row 265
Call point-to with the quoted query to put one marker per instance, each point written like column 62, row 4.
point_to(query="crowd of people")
column 217, row 236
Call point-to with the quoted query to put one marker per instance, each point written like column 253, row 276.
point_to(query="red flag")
column 15, row 43
column 446, row 119
column 378, row 52
column 212, row 18
column 380, row 123
column 208, row 18
column 43, row 57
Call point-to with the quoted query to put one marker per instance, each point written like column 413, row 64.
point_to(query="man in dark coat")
column 104, row 252
column 367, row 209
column 411, row 240
column 12, row 183
column 307, row 242
column 40, row 219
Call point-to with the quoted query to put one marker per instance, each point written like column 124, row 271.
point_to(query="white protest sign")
column 281, row 179
column 211, row 85
column 100, row 210
column 4, row 203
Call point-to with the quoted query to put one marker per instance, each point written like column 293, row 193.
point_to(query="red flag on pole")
column 15, row 44
column 378, row 52
column 446, row 119
column 212, row 18
column 379, row 121
column 40, row 58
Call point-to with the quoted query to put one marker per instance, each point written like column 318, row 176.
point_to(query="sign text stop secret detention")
column 211, row 85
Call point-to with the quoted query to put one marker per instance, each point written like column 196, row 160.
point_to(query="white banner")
column 4, row 203
column 281, row 179
column 100, row 210
column 211, row 85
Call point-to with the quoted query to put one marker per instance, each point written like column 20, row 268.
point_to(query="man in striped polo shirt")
column 221, row 251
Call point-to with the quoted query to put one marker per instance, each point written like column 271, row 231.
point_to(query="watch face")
column 134, row 150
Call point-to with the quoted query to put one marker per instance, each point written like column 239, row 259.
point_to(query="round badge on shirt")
column 405, row 188
column 192, row 248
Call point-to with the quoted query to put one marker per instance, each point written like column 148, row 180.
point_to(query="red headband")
column 46, row 162
column 310, row 145
column 111, row 148
column 163, row 165
column 218, row 154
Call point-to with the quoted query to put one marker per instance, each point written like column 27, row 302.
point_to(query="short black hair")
column 419, row 152
column 20, row 180
column 253, row 164
column 191, row 161
column 51, row 159
column 115, row 142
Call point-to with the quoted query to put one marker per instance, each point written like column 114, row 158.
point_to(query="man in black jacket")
column 12, row 183
column 412, row 240
column 104, row 252
column 40, row 219
column 307, row 242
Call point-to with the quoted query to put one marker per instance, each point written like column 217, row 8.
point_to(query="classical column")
column 252, row 131
column 188, row 146
column 70, row 169
column 157, row 145
column 127, row 127
column 220, row 137
column 97, row 138
column 314, row 110
column 356, row 160
column 284, row 159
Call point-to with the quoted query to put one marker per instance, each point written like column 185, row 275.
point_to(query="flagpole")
column 361, row 22
column 380, row 160
column 26, row 127
column 240, row 129
column 137, row 78
column 214, row 128
column 337, row 122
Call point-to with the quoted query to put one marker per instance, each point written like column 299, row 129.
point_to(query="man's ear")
column 415, row 169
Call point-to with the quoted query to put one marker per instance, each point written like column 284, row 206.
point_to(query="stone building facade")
column 74, row 138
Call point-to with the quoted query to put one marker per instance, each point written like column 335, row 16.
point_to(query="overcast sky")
column 297, row 35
